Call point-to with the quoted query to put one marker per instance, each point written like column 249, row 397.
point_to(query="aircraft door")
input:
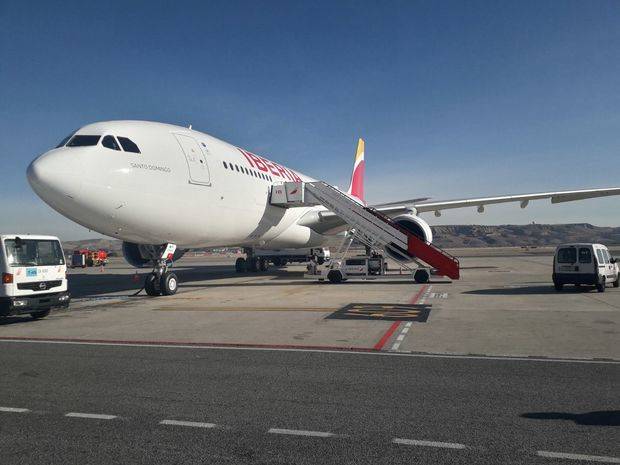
column 196, row 160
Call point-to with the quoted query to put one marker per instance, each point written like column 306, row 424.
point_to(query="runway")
column 73, row 403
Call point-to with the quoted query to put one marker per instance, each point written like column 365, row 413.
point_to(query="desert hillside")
column 459, row 236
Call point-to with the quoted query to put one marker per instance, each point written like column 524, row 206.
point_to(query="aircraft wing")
column 524, row 199
column 327, row 222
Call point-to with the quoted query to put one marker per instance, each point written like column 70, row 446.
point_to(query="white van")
column 589, row 264
column 34, row 275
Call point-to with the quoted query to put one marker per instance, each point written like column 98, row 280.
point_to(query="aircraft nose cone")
column 54, row 177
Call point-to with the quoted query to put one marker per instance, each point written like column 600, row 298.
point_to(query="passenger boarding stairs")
column 372, row 228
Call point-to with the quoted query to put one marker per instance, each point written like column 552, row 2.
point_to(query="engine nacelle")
column 415, row 225
column 142, row 255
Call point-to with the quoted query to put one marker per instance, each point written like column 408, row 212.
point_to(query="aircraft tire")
column 240, row 265
column 169, row 284
column 151, row 285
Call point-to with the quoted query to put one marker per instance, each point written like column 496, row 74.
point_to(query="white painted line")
column 300, row 432
column 403, row 332
column 426, row 295
column 192, row 424
column 417, row 442
column 377, row 353
column 585, row 458
column 95, row 416
column 14, row 410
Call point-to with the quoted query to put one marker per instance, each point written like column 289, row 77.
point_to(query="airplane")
column 164, row 189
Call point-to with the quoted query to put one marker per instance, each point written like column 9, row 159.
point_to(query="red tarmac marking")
column 184, row 344
column 388, row 334
column 379, row 345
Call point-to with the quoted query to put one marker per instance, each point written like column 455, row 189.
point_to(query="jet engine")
column 142, row 255
column 415, row 225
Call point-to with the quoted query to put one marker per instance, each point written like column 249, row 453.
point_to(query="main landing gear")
column 251, row 263
column 161, row 281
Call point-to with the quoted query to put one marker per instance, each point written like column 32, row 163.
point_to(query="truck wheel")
column 601, row 285
column 334, row 276
column 39, row 315
column 151, row 285
column 277, row 262
column 253, row 264
column 617, row 281
column 558, row 286
column 421, row 276
column 263, row 264
column 240, row 265
column 169, row 283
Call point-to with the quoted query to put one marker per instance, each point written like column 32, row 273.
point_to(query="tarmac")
column 273, row 368
column 503, row 305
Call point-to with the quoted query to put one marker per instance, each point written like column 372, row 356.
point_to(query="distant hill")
column 523, row 235
column 467, row 236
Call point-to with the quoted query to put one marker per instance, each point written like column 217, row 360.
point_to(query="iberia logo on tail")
column 356, row 189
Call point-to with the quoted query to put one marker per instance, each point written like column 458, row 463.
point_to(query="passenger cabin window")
column 110, row 143
column 128, row 145
column 585, row 256
column 567, row 255
column 83, row 141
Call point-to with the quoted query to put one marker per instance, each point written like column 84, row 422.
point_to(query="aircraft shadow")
column 600, row 418
column 531, row 290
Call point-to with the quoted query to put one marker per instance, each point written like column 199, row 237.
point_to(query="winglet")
column 356, row 189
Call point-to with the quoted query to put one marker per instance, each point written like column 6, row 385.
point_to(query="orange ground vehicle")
column 86, row 257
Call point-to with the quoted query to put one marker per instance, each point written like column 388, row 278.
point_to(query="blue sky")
column 454, row 99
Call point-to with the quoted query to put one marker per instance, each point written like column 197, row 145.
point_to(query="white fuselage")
column 184, row 187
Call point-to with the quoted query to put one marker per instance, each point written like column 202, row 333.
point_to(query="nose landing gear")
column 161, row 281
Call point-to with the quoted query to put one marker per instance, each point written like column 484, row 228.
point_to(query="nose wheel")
column 166, row 284
column 161, row 281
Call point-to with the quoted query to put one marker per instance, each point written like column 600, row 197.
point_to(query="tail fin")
column 356, row 189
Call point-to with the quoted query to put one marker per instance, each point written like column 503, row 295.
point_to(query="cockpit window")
column 110, row 143
column 83, row 141
column 128, row 145
column 65, row 140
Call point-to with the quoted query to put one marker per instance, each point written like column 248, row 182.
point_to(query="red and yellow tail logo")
column 356, row 189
